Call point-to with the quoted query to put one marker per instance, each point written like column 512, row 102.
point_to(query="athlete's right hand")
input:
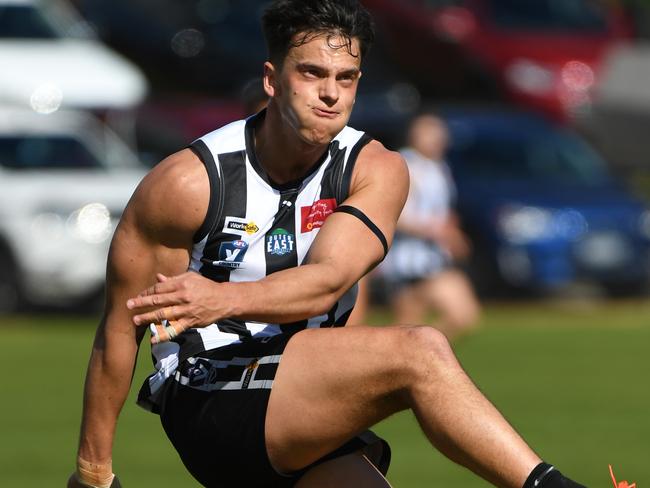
column 182, row 301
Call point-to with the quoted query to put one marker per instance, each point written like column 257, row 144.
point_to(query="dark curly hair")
column 284, row 19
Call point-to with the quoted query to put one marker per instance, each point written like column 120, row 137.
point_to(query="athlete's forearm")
column 289, row 295
column 192, row 300
column 107, row 385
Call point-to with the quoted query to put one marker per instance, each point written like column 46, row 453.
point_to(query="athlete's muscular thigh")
column 332, row 384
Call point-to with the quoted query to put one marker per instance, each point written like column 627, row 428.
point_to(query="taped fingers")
column 158, row 333
column 165, row 331
column 171, row 331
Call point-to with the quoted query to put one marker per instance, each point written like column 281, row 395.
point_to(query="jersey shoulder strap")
column 212, row 149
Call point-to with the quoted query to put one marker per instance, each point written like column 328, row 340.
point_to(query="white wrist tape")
column 95, row 475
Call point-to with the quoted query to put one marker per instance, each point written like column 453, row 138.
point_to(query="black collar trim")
column 296, row 184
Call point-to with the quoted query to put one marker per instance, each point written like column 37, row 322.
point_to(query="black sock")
column 546, row 476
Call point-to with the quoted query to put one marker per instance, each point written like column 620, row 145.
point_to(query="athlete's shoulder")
column 382, row 171
column 371, row 151
column 174, row 195
column 180, row 172
column 377, row 159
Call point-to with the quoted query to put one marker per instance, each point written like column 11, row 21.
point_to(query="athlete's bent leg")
column 335, row 383
column 351, row 471
column 450, row 293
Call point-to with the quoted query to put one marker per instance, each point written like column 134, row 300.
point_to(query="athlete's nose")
column 329, row 91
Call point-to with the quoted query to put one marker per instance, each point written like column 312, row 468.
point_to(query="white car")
column 50, row 58
column 65, row 179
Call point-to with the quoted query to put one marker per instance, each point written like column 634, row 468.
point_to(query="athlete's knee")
column 428, row 351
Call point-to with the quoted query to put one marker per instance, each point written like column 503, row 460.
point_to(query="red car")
column 543, row 54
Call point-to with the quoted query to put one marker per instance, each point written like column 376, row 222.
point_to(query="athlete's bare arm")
column 154, row 235
column 344, row 250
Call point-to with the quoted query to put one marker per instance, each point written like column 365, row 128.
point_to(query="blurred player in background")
column 420, row 270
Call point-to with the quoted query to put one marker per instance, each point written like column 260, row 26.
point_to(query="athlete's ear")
column 270, row 79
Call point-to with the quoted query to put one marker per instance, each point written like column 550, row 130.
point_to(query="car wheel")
column 9, row 285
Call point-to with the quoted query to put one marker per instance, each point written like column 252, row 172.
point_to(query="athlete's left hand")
column 187, row 300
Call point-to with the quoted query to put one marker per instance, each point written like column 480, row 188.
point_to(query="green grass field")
column 572, row 378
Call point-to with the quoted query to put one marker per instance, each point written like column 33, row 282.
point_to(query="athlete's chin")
column 318, row 137
column 322, row 133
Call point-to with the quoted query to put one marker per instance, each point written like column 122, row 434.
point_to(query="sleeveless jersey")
column 253, row 228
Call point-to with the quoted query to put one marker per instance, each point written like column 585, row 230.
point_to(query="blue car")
column 542, row 207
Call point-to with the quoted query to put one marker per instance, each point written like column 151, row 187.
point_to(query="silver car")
column 65, row 179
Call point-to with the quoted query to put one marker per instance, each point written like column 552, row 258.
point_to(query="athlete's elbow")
column 330, row 294
column 325, row 303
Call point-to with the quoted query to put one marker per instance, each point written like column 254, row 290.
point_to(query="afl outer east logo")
column 279, row 242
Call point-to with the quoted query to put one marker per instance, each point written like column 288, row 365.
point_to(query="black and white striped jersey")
column 255, row 227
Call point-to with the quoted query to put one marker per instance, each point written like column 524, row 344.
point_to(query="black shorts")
column 214, row 412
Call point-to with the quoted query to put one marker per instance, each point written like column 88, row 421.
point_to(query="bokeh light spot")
column 46, row 98
column 188, row 43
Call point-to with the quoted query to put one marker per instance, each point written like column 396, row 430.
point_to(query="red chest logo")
column 314, row 217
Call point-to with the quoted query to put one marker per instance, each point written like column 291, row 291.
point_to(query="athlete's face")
column 315, row 88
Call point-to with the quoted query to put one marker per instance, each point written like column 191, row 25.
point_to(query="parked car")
column 65, row 179
column 51, row 58
column 541, row 54
column 542, row 207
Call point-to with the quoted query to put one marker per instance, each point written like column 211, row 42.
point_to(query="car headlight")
column 525, row 224
column 530, row 77
column 91, row 223
column 521, row 225
column 569, row 224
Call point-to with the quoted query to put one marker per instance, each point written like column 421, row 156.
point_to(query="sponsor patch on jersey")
column 280, row 242
column 240, row 225
column 314, row 217
column 202, row 373
column 231, row 254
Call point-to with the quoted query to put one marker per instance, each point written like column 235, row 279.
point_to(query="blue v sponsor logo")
column 231, row 254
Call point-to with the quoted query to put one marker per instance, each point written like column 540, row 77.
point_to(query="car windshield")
column 541, row 156
column 45, row 152
column 563, row 15
column 24, row 22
